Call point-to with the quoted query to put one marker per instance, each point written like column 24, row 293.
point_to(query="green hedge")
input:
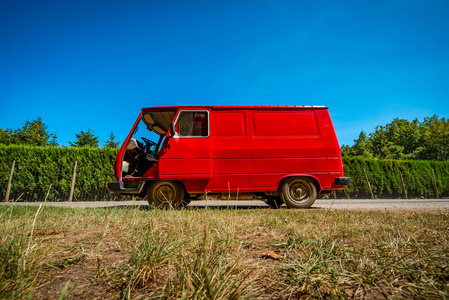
column 42, row 170
column 37, row 168
column 385, row 178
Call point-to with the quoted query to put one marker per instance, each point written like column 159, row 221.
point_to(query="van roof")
column 227, row 107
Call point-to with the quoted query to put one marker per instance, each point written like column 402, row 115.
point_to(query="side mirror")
column 172, row 130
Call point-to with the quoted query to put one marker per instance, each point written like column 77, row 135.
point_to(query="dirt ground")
column 351, row 249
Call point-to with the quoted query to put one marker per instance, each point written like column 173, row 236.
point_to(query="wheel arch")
column 147, row 183
column 314, row 179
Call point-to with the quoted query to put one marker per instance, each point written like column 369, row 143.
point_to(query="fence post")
column 8, row 189
column 369, row 185
column 435, row 186
column 403, row 185
column 73, row 182
column 48, row 193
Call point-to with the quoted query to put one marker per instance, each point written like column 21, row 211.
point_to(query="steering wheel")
column 148, row 144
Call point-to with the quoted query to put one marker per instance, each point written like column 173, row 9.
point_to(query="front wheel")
column 298, row 192
column 165, row 194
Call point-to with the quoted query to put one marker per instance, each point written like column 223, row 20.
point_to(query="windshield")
column 142, row 137
column 152, row 127
column 142, row 149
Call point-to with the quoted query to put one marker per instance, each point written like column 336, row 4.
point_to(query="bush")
column 42, row 170
column 385, row 178
column 46, row 173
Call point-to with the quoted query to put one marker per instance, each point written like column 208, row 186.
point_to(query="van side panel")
column 231, row 155
column 286, row 143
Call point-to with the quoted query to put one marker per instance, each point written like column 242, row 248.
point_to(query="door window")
column 193, row 124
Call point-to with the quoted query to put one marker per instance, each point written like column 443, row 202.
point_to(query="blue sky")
column 95, row 64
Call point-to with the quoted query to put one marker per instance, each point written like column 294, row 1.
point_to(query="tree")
column 404, row 140
column 362, row 147
column 54, row 140
column 85, row 139
column 31, row 133
column 435, row 139
column 111, row 143
column 399, row 139
column 6, row 136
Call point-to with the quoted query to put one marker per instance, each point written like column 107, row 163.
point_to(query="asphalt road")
column 353, row 204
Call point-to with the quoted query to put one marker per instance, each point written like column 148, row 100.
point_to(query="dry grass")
column 222, row 254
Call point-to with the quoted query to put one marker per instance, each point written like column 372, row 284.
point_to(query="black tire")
column 274, row 201
column 299, row 192
column 165, row 194
column 185, row 202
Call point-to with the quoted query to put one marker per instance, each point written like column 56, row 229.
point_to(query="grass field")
column 63, row 253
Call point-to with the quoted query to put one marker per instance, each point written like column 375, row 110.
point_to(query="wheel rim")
column 165, row 193
column 299, row 191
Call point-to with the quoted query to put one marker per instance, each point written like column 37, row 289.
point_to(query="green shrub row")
column 385, row 178
column 46, row 172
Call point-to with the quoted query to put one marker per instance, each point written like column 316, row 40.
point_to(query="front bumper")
column 126, row 187
column 342, row 181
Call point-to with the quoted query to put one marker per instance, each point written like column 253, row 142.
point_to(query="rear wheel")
column 274, row 201
column 299, row 192
column 165, row 194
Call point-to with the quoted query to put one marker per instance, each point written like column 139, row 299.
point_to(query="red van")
column 283, row 154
